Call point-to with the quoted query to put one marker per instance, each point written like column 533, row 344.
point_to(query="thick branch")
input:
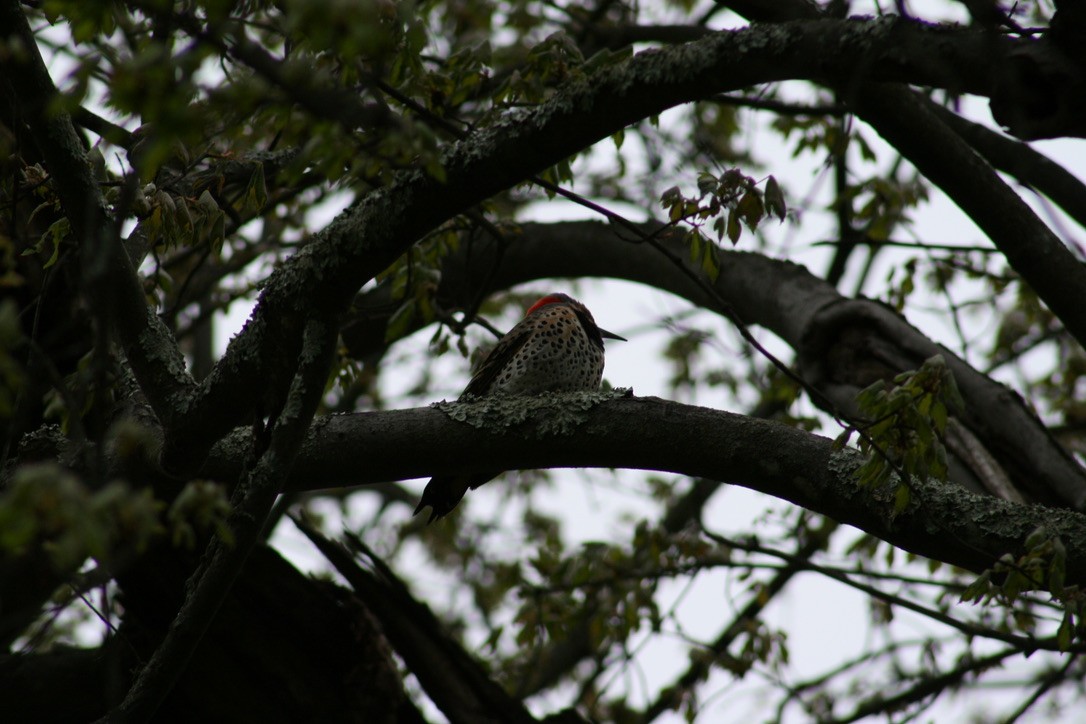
column 453, row 679
column 941, row 155
column 947, row 523
column 1022, row 161
column 212, row 582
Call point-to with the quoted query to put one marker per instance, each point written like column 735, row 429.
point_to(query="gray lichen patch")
column 843, row 464
column 555, row 413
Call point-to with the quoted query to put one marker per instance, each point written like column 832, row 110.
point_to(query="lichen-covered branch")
column 946, row 522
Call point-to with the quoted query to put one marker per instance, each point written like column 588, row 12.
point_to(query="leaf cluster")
column 46, row 506
column 730, row 200
column 906, row 428
column 613, row 585
column 880, row 203
column 1041, row 566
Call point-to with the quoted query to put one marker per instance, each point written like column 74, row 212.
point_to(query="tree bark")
column 943, row 522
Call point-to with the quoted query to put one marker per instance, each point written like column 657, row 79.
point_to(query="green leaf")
column 902, row 497
column 951, row 394
column 709, row 262
column 939, row 469
column 1038, row 536
column 695, row 246
column 774, row 199
column 735, row 230
column 56, row 232
column 256, row 192
column 618, row 137
column 400, row 321
column 707, row 183
column 939, row 416
column 154, row 225
column 1066, row 631
column 718, row 227
column 977, row 589
column 869, row 396
column 751, row 209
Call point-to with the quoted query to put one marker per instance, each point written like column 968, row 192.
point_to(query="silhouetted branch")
column 455, row 682
column 947, row 523
column 212, row 581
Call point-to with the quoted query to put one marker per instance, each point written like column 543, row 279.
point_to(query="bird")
column 556, row 347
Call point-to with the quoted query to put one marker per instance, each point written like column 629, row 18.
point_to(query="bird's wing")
column 496, row 361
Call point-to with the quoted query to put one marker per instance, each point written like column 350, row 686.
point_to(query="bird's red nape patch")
column 549, row 299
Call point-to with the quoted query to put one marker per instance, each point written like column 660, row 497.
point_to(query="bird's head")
column 580, row 309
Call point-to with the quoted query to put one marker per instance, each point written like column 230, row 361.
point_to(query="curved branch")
column 1022, row 161
column 911, row 126
column 843, row 344
column 945, row 522
column 452, row 678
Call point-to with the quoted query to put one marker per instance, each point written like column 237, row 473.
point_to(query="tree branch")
column 945, row 522
column 700, row 667
column 911, row 126
column 1043, row 260
column 454, row 680
column 211, row 582
column 1022, row 161
column 927, row 687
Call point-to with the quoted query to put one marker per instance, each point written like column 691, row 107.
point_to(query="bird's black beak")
column 611, row 335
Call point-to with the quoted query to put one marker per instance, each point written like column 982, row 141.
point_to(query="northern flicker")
column 557, row 347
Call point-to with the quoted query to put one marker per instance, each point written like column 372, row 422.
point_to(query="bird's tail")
column 444, row 493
